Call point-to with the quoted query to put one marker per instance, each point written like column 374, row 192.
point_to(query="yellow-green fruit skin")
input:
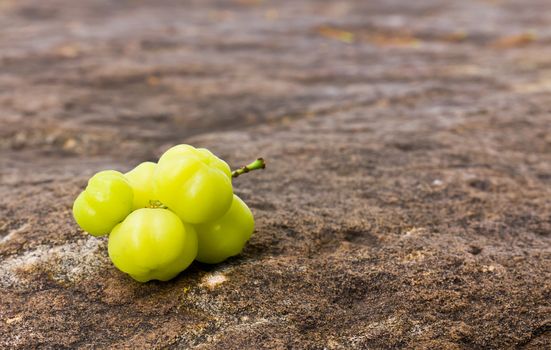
column 152, row 244
column 193, row 183
column 141, row 180
column 226, row 236
column 105, row 202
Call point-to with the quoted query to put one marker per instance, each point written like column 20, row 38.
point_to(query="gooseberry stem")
column 257, row 164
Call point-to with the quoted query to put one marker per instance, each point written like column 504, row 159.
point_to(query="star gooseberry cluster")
column 162, row 216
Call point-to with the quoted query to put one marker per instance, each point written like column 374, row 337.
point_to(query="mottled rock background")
column 407, row 203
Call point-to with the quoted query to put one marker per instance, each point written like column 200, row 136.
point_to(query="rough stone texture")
column 407, row 202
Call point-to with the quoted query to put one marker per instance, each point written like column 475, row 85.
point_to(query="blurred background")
column 127, row 76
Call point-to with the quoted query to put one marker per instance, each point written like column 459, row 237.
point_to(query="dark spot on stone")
column 261, row 205
column 481, row 185
column 360, row 236
column 474, row 250
column 412, row 146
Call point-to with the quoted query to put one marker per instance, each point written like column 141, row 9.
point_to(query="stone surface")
column 407, row 201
